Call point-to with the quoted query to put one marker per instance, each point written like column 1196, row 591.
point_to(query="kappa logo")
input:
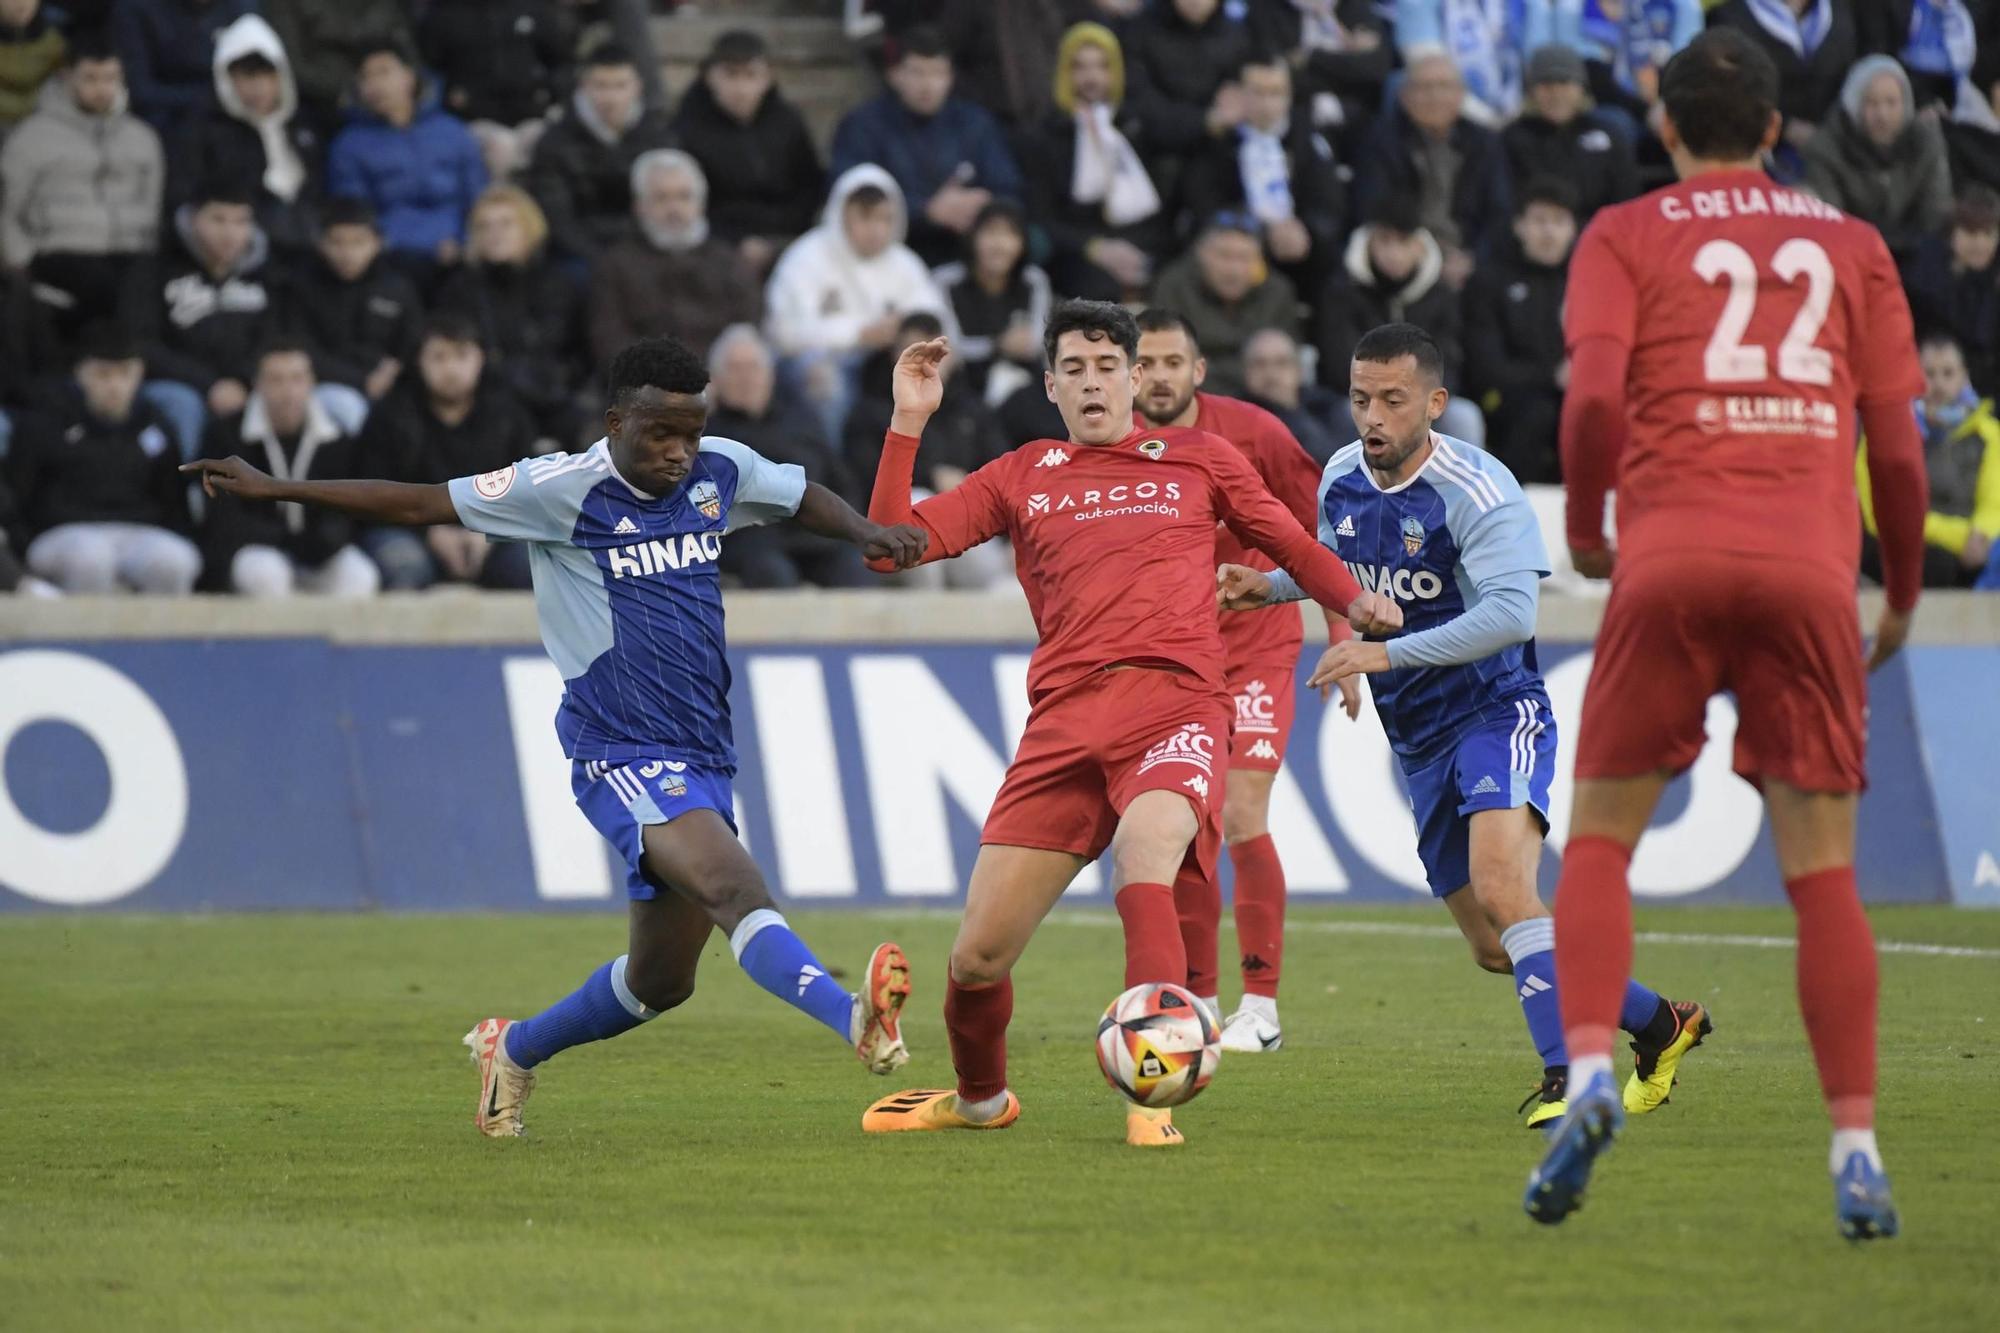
column 1053, row 458
column 1198, row 785
column 493, row 485
column 1486, row 786
column 626, row 527
column 1346, row 528
column 1263, row 750
column 707, row 499
column 1153, row 449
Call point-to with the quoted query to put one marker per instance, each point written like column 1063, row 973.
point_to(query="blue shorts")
column 1496, row 765
column 620, row 799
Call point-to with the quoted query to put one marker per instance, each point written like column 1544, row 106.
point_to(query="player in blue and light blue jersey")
column 1443, row 528
column 624, row 541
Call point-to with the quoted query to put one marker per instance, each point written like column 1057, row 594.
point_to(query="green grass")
column 265, row 1122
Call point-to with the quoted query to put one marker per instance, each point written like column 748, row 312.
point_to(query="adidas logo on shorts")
column 626, row 526
column 1486, row 786
column 1346, row 528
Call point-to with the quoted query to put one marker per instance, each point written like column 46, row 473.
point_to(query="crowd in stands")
column 396, row 238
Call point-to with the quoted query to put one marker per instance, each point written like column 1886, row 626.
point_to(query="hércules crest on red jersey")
column 1153, row 449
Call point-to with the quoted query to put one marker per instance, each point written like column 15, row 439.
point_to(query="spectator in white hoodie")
column 841, row 290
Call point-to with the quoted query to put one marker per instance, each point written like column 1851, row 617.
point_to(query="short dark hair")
column 1096, row 321
column 451, row 326
column 1977, row 209
column 1395, row 211
column 1164, row 319
column 1000, row 210
column 92, row 44
column 222, row 190
column 1939, row 337
column 382, row 46
column 1258, row 57
column 1721, row 89
column 738, row 46
column 347, row 211
column 609, row 55
column 864, row 196
column 665, row 364
column 1393, row 342
column 252, row 62
column 921, row 40
column 107, row 340
column 921, row 324
column 284, row 345
column 1551, row 190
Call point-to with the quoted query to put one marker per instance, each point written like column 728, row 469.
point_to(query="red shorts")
column 1784, row 639
column 1092, row 746
column 1265, row 704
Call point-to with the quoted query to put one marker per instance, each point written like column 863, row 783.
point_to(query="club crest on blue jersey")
column 1413, row 536
column 707, row 499
column 1153, row 449
column 673, row 784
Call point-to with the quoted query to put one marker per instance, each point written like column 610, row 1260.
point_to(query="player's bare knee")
column 1242, row 823
column 977, row 964
column 1491, row 957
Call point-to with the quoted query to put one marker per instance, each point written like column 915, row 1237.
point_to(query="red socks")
column 1837, row 987
column 975, row 1019
column 1593, row 942
column 1198, row 899
column 1260, row 913
column 1153, row 948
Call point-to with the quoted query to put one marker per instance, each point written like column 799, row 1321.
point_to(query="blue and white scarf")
column 1266, row 172
column 1942, row 40
column 1801, row 32
column 1477, row 37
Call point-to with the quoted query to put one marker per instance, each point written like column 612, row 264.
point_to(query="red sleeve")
column 1294, row 478
column 972, row 512
column 1901, row 493
column 1603, row 298
column 1257, row 518
column 1598, row 332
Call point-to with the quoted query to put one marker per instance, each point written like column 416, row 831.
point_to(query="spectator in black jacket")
column 254, row 138
column 273, row 550
column 581, row 174
column 505, row 65
column 358, row 312
column 746, row 404
column 1812, row 42
column 166, row 47
column 1514, row 335
column 529, row 311
column 201, row 308
column 1088, row 185
column 1280, row 170
column 1181, row 58
column 1425, row 150
column 1955, row 284
column 1393, row 272
column 1274, row 378
column 447, row 420
column 765, row 178
column 1000, row 301
column 1558, row 136
column 99, row 502
column 1341, row 55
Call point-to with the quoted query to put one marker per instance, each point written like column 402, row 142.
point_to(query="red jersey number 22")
column 1800, row 360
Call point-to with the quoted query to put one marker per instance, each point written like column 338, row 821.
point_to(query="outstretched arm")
column 897, row 546
column 961, row 518
column 394, row 502
column 1260, row 521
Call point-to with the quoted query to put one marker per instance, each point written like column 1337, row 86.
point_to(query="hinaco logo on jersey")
column 1405, row 585
column 707, row 499
column 1108, row 501
column 1153, row 449
column 1413, row 536
column 1053, row 458
column 1192, row 745
column 656, row 557
column 1257, row 708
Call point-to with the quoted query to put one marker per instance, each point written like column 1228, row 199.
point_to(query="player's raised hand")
column 1344, row 661
column 919, row 379
column 1892, row 631
column 1241, row 588
column 1373, row 613
column 232, row 476
column 902, row 544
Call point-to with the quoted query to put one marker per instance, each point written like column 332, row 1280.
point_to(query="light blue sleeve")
column 509, row 506
column 766, row 492
column 1504, row 615
column 1506, row 539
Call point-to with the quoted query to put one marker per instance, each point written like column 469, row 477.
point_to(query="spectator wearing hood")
column 328, row 39
column 581, row 173
column 1089, row 188
column 274, row 550
column 415, row 162
column 947, row 155
column 1393, row 273
column 1274, row 378
column 1962, row 463
column 746, row 404
column 31, row 50
column 201, row 308
column 167, row 47
column 1227, row 292
column 1557, row 135
column 253, row 137
column 1876, row 158
column 765, row 177
column 1514, row 349
column 672, row 277
column 1425, row 149
column 358, row 312
column 1812, row 42
column 1279, row 169
column 528, row 309
column 1181, row 58
column 1954, row 284
column 841, row 290
column 80, row 187
column 504, row 65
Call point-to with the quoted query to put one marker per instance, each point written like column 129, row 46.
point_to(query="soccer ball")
column 1158, row 1045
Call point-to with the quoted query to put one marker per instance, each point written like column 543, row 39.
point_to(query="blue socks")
column 779, row 961
column 1641, row 1003
column 601, row 1007
column 1531, row 944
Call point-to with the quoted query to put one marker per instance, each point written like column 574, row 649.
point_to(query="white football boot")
column 1253, row 1027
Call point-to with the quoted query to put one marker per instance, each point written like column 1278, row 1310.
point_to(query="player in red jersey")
column 1260, row 653
column 1726, row 419
column 1114, row 540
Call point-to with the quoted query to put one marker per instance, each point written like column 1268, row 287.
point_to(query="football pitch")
column 264, row 1122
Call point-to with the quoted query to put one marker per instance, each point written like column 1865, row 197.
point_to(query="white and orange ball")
column 1158, row 1045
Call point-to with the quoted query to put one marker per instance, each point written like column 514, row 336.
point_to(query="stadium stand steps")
column 822, row 72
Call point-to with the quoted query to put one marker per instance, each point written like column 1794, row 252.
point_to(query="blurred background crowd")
column 395, row 238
